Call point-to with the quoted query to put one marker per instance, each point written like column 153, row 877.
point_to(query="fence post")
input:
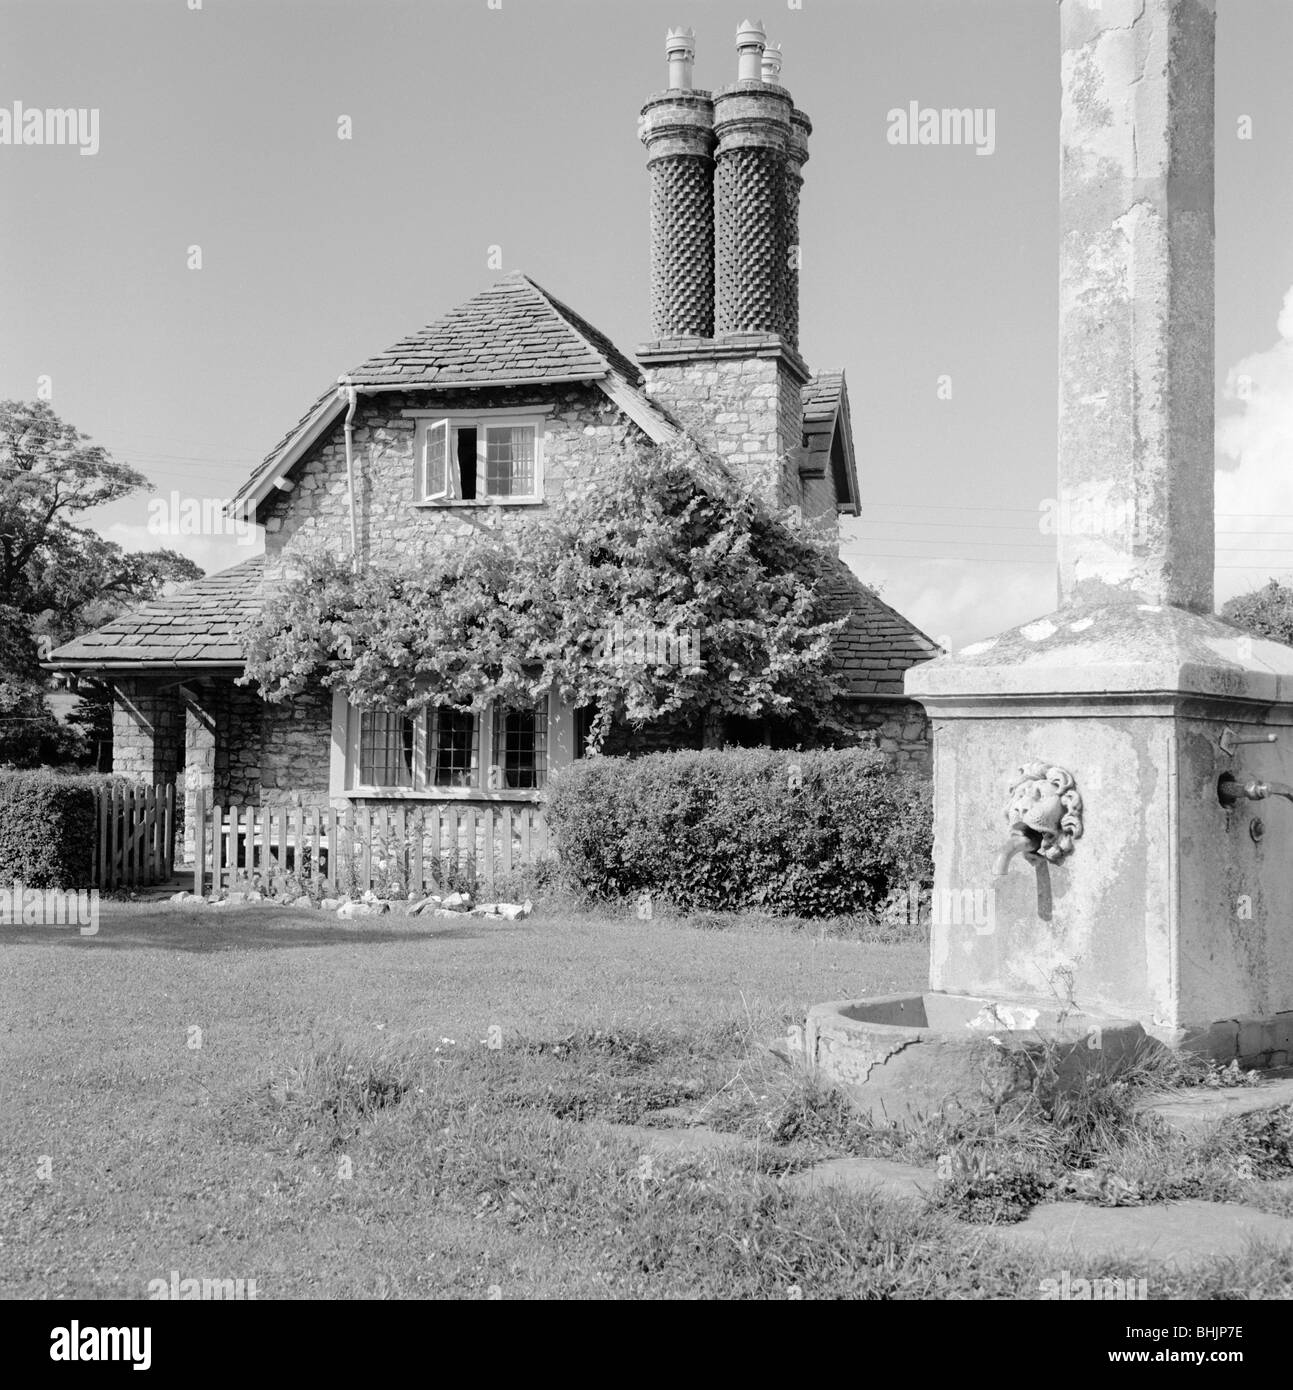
column 199, row 840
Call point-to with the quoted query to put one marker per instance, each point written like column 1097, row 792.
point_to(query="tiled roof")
column 197, row 624
column 877, row 644
column 514, row 331
column 194, row 625
column 821, row 398
column 826, row 418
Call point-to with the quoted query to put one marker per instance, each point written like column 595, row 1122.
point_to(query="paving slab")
column 1180, row 1233
column 1200, row 1108
column 865, row 1175
column 694, row 1139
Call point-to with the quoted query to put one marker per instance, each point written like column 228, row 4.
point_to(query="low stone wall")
column 898, row 728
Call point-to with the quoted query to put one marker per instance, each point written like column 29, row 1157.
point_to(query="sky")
column 512, row 124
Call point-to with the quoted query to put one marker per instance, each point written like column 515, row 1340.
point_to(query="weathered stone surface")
column 866, row 1175
column 1168, row 911
column 349, row 910
column 906, row 1056
column 1200, row 1109
column 1177, row 1233
column 1136, row 299
column 695, row 1139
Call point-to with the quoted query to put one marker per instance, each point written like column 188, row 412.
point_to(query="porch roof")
column 195, row 627
column 877, row 644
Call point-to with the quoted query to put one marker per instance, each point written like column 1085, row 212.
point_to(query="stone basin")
column 908, row 1056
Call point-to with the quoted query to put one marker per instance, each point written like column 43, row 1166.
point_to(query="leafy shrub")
column 805, row 833
column 48, row 827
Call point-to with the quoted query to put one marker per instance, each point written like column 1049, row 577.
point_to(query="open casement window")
column 385, row 749
column 520, row 760
column 438, row 473
column 485, row 458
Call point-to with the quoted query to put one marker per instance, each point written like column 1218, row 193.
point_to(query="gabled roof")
column 828, row 436
column 512, row 333
column 196, row 626
column 877, row 644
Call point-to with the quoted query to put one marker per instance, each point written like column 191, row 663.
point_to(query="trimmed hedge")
column 729, row 830
column 47, row 828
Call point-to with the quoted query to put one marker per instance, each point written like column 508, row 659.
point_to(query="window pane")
column 385, row 749
column 452, row 757
column 509, row 460
column 522, row 750
column 584, row 715
column 437, row 470
column 467, row 463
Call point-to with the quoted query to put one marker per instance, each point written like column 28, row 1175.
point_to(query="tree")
column 668, row 593
column 56, row 578
column 1266, row 612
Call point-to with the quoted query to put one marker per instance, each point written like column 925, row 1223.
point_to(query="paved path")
column 1177, row 1233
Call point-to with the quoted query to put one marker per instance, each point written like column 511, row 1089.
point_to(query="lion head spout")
column 1046, row 809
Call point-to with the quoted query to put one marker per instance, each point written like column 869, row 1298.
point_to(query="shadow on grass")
column 206, row 933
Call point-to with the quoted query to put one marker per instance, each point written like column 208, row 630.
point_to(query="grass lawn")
column 257, row 1093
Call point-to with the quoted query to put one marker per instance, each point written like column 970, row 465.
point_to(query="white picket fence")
column 417, row 849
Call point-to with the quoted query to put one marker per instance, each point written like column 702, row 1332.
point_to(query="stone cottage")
column 505, row 405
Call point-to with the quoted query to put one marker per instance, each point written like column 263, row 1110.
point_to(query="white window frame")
column 429, row 422
column 553, row 739
column 443, row 430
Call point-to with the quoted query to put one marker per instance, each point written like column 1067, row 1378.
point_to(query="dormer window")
column 480, row 459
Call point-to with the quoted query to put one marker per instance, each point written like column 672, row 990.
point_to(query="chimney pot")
column 751, row 40
column 772, row 64
column 680, row 46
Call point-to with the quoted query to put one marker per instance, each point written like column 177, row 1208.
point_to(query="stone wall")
column 147, row 729
column 898, row 728
column 238, row 745
column 583, row 433
column 747, row 410
column 296, row 749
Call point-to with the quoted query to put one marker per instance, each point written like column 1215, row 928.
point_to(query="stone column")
column 1136, row 302
column 147, row 729
column 201, row 723
column 1140, row 892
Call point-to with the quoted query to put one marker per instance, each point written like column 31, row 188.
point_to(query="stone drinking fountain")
column 1097, row 772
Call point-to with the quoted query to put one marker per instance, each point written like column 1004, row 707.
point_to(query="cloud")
column 1255, row 471
column 213, row 553
column 956, row 601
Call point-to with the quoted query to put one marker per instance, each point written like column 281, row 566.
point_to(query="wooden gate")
column 135, row 836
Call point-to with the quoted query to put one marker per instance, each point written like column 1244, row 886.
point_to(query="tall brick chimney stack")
column 725, row 184
column 677, row 127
